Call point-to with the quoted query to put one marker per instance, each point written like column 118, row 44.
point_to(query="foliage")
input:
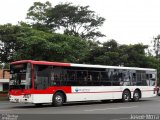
column 73, row 20
column 38, row 40
column 111, row 53
column 38, row 16
column 21, row 42
column 156, row 46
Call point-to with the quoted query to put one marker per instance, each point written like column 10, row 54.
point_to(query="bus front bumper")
column 20, row 99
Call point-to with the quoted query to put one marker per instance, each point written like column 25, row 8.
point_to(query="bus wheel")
column 126, row 96
column 58, row 99
column 136, row 96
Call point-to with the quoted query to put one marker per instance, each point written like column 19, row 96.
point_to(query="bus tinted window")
column 41, row 76
column 68, row 76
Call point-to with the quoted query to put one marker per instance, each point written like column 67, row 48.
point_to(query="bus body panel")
column 75, row 92
column 84, row 93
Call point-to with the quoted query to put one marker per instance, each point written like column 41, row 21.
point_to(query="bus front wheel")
column 58, row 99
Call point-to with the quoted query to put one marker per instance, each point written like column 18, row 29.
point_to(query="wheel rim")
column 126, row 96
column 59, row 99
column 136, row 95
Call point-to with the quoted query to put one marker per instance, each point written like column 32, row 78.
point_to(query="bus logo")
column 76, row 89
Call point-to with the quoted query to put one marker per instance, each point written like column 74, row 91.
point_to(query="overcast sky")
column 127, row 21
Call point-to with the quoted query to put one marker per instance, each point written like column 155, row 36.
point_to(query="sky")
column 127, row 21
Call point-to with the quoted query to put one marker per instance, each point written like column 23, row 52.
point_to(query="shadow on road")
column 75, row 104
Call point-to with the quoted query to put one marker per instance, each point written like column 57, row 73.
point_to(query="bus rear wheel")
column 58, row 99
column 126, row 96
column 136, row 96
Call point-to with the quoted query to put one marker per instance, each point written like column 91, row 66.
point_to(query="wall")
column 4, row 74
column 1, row 86
column 4, row 79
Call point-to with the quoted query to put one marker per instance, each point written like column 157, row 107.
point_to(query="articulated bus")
column 41, row 82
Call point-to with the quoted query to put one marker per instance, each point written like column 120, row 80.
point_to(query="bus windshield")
column 20, row 76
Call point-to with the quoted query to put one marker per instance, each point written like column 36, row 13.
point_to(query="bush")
column 3, row 92
column 3, row 95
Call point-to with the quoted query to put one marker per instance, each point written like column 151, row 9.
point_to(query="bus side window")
column 94, row 78
column 152, row 79
column 71, row 78
column 82, row 77
column 147, row 80
column 133, row 79
column 42, row 76
column 105, row 78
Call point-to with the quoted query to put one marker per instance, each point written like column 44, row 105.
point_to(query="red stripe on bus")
column 42, row 63
column 49, row 90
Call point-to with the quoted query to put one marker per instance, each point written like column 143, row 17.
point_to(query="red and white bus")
column 40, row 82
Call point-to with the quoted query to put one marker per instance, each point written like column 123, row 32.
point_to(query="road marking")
column 4, row 110
column 120, row 119
column 11, row 109
column 111, row 108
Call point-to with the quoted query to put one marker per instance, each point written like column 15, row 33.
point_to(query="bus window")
column 115, row 78
column 147, row 80
column 116, row 75
column 144, row 79
column 71, row 78
column 106, row 78
column 94, row 78
column 42, row 75
column 152, row 79
column 82, row 77
column 71, row 75
column 58, row 76
column 125, row 77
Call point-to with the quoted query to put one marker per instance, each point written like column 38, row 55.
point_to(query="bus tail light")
column 155, row 90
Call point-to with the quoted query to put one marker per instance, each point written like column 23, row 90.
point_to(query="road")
column 96, row 109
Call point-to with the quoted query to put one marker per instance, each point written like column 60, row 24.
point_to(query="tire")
column 136, row 96
column 126, row 96
column 58, row 99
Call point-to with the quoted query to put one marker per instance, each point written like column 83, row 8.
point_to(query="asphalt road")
column 83, row 110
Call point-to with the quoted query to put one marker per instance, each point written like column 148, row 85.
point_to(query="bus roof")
column 79, row 65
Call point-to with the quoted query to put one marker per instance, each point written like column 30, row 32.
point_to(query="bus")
column 41, row 82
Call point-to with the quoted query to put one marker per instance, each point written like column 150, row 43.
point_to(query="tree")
column 21, row 42
column 133, row 55
column 112, row 53
column 38, row 16
column 8, row 38
column 72, row 20
column 105, row 53
column 156, row 48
